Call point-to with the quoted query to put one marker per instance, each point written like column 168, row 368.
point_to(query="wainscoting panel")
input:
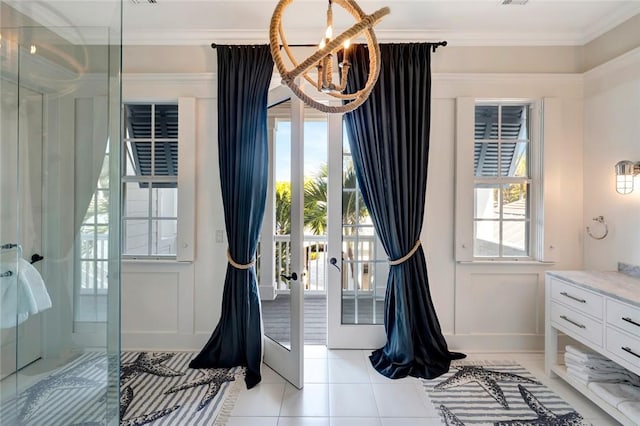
column 157, row 305
column 500, row 308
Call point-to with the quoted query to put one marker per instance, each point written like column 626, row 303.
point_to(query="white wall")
column 612, row 134
column 480, row 306
column 493, row 306
column 175, row 305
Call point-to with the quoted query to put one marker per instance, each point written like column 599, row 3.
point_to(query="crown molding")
column 631, row 58
column 60, row 25
column 623, row 13
column 168, row 77
column 206, row 37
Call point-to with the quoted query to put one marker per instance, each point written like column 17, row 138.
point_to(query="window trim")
column 185, row 238
column 465, row 182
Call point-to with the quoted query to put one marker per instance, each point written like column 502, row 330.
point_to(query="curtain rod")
column 434, row 45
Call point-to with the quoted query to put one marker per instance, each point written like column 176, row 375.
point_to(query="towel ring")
column 599, row 219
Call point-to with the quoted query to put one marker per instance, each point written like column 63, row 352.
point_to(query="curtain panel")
column 244, row 74
column 389, row 139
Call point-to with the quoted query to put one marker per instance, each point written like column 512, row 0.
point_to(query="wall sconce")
column 625, row 171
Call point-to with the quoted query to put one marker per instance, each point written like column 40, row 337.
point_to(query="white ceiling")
column 460, row 22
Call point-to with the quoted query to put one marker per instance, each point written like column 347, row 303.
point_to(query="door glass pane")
column 276, row 313
column 364, row 263
column 315, row 267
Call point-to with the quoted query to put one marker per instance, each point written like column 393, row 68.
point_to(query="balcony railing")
column 361, row 274
column 314, row 276
column 94, row 260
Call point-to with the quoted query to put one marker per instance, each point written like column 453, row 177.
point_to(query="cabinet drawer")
column 624, row 346
column 576, row 324
column 624, row 316
column 578, row 298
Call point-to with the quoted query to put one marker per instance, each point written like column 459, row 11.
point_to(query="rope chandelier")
column 322, row 59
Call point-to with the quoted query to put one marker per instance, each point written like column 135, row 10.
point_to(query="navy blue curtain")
column 389, row 139
column 244, row 74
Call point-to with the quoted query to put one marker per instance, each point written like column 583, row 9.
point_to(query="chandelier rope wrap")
column 364, row 25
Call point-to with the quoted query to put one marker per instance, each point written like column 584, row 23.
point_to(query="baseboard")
column 162, row 342
column 496, row 343
column 459, row 343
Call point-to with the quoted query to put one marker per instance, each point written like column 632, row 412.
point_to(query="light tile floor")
column 342, row 389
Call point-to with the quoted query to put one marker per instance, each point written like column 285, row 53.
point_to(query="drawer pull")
column 577, row 299
column 629, row 320
column 627, row 349
column 577, row 324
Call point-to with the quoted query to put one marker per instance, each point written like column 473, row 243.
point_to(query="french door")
column 356, row 266
column 284, row 345
column 358, row 269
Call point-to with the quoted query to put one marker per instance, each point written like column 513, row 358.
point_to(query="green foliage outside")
column 315, row 203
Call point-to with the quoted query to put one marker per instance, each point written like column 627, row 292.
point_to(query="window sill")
column 506, row 262
column 154, row 261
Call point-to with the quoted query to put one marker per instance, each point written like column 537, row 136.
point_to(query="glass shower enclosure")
column 59, row 212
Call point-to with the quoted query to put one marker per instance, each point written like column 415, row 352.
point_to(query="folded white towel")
column 603, row 370
column 21, row 294
column 631, row 409
column 37, row 295
column 598, row 377
column 12, row 311
column 577, row 376
column 596, row 364
column 615, row 393
column 584, row 354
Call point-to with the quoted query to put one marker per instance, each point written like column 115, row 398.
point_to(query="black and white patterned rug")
column 160, row 389
column 156, row 388
column 497, row 394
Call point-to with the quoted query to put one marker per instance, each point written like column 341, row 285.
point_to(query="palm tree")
column 315, row 201
column 315, row 206
column 283, row 208
column 315, row 209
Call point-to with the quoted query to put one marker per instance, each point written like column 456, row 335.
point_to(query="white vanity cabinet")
column 600, row 310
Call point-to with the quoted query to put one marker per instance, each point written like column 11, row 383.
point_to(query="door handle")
column 293, row 276
column 334, row 262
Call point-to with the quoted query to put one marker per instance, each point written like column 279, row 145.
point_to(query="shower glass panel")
column 59, row 213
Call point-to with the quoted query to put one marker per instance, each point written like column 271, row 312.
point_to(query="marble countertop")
column 611, row 283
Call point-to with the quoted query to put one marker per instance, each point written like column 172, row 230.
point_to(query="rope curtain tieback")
column 406, row 256
column 239, row 265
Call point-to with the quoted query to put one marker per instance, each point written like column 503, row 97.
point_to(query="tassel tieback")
column 239, row 265
column 406, row 256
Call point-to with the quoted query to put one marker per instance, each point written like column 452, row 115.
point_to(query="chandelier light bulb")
column 329, row 33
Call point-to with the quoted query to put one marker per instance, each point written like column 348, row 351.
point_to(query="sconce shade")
column 625, row 171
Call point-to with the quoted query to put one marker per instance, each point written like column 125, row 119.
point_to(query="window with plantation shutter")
column 156, row 192
column 498, row 184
